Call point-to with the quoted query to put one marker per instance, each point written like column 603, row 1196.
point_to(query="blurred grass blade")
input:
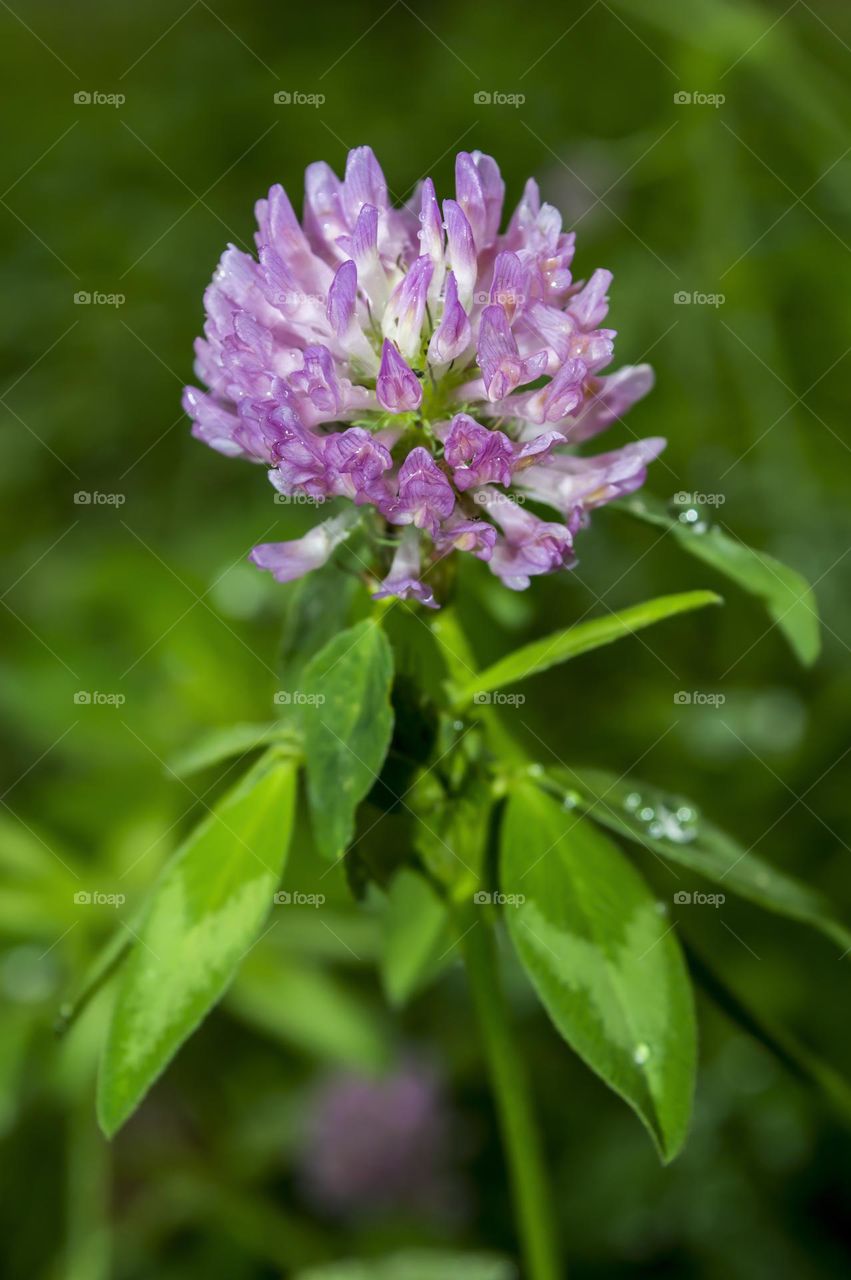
column 542, row 654
column 603, row 961
column 306, row 1007
column 203, row 918
column 417, row 1265
column 798, row 1059
column 106, row 962
column 787, row 596
column 674, row 829
column 229, row 743
column 417, row 937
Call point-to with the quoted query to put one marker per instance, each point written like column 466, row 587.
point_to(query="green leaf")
column 562, row 645
column 347, row 721
column 319, row 607
column 694, row 842
column 602, row 959
column 224, row 744
column 417, row 937
column 203, row 917
column 417, row 1265
column 787, row 595
column 416, row 651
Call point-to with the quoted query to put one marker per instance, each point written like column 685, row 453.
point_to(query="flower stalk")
column 530, row 1187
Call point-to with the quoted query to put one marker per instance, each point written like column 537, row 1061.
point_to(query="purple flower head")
column 460, row 251
column 425, row 495
column 510, row 284
column 476, row 454
column 358, row 462
column 289, row 560
column 403, row 580
column 454, row 333
column 397, row 388
column 572, row 484
column 422, row 365
column 502, row 366
column 342, row 297
column 403, row 319
column 376, row 1147
column 480, row 191
column 430, row 234
column 530, row 546
column 476, row 536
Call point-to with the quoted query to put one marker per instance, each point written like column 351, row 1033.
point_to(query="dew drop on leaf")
column 692, row 519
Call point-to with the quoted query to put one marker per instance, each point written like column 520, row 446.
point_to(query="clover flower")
column 373, row 1147
column 433, row 371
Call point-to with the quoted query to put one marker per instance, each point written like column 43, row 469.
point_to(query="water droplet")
column 571, row 800
column 673, row 825
column 632, row 801
column 535, row 770
column 647, row 814
column 693, row 520
column 458, row 725
column 641, row 1053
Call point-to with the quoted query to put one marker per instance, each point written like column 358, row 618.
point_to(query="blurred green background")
column 146, row 596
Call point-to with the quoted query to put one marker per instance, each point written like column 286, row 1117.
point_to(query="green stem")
column 519, row 1133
